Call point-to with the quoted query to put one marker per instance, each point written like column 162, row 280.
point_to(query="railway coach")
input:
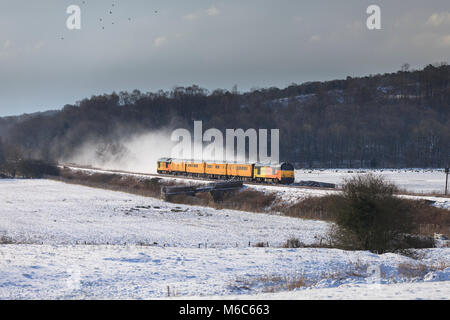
column 178, row 166
column 215, row 169
column 195, row 168
column 240, row 171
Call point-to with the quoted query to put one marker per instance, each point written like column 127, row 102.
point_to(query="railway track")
column 431, row 197
column 200, row 179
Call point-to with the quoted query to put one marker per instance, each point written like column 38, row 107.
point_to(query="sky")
column 152, row 45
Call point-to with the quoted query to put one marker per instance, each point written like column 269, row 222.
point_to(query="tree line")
column 397, row 119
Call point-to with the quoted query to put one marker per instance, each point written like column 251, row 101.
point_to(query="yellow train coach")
column 216, row 169
column 178, row 166
column 240, row 171
column 195, row 168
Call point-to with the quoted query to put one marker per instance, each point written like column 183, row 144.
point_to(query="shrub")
column 293, row 243
column 6, row 240
column 261, row 245
column 150, row 187
column 28, row 168
column 246, row 200
column 370, row 217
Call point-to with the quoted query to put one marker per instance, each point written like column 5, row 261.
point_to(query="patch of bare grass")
column 271, row 283
column 318, row 208
column 8, row 240
column 149, row 187
column 412, row 270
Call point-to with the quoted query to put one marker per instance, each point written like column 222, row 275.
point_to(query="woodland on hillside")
column 392, row 120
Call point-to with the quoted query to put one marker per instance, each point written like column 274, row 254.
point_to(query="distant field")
column 411, row 180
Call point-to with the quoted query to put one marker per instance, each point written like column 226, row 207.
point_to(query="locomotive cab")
column 287, row 173
column 274, row 173
column 163, row 165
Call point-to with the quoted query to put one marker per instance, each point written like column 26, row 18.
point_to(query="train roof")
column 258, row 164
column 272, row 165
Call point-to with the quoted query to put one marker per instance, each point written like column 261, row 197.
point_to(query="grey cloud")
column 210, row 43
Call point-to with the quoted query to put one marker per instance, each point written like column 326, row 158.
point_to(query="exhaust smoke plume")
column 137, row 153
column 140, row 152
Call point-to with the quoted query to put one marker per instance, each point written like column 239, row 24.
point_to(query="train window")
column 287, row 166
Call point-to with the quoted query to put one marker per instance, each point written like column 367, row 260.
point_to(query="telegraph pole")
column 446, row 179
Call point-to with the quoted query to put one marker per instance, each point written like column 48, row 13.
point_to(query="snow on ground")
column 141, row 248
column 412, row 180
column 291, row 195
column 134, row 272
column 50, row 212
column 363, row 291
column 424, row 181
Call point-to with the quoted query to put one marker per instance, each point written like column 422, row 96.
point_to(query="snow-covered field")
column 68, row 241
column 134, row 272
column 360, row 291
column 49, row 212
column 412, row 180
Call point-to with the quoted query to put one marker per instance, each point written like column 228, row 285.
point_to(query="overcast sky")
column 215, row 44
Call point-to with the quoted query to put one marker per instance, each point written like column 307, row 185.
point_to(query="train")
column 280, row 173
